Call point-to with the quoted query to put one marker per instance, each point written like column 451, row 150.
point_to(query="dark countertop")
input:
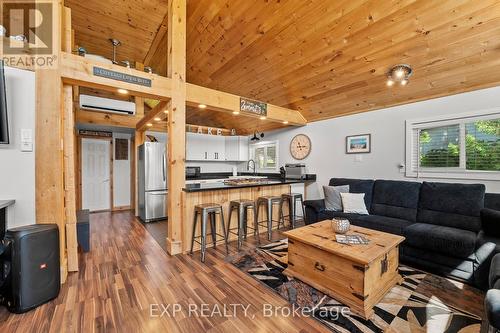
column 222, row 186
column 222, row 175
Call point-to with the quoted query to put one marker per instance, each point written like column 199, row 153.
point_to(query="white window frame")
column 451, row 173
column 254, row 146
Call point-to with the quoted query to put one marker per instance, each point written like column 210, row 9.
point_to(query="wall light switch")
column 26, row 140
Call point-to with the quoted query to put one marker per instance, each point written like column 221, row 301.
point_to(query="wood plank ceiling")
column 325, row 58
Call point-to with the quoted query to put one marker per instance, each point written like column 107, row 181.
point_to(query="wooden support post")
column 49, row 164
column 138, row 140
column 69, row 179
column 69, row 154
column 176, row 142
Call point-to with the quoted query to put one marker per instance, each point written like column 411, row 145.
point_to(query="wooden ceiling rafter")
column 149, row 118
column 159, row 36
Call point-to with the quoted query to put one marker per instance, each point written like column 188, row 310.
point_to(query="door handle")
column 163, row 166
column 105, row 181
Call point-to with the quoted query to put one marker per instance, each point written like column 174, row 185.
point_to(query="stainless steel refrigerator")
column 152, row 182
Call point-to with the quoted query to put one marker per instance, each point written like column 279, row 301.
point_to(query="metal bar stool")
column 242, row 207
column 291, row 198
column 206, row 211
column 268, row 202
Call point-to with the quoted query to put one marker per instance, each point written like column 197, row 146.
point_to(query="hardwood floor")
column 126, row 271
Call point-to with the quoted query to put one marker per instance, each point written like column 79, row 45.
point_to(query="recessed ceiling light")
column 285, row 122
column 399, row 74
column 236, row 112
column 122, row 91
column 263, row 118
column 149, row 124
column 157, row 119
column 165, row 111
column 202, row 106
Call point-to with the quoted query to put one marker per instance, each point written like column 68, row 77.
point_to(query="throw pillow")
column 333, row 201
column 354, row 203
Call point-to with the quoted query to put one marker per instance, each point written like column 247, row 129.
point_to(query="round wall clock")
column 300, row 146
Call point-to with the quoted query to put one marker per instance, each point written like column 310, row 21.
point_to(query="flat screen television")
column 4, row 123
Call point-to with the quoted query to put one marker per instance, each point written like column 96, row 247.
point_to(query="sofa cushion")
column 492, row 201
column 446, row 240
column 357, row 186
column 490, row 221
column 383, row 223
column 438, row 263
column 494, row 275
column 398, row 199
column 451, row 205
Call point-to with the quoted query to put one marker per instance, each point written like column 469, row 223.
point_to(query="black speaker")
column 31, row 267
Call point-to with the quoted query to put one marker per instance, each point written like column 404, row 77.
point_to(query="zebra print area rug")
column 403, row 309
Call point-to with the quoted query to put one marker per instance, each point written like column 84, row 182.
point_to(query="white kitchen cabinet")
column 236, row 148
column 195, row 147
column 203, row 147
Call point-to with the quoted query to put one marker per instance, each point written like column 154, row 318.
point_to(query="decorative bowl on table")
column 341, row 226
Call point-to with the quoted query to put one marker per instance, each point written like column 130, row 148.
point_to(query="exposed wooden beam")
column 157, row 111
column 106, row 119
column 222, row 101
column 78, row 70
column 176, row 143
column 160, row 33
column 117, row 120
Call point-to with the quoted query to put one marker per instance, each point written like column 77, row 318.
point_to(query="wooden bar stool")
column 242, row 206
column 268, row 202
column 205, row 211
column 291, row 198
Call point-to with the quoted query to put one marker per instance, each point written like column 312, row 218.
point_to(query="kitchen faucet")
column 248, row 165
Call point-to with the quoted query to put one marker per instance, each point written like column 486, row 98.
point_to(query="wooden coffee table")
column 358, row 276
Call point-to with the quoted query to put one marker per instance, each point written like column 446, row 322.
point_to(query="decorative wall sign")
column 109, row 74
column 251, row 106
column 209, row 130
column 95, row 133
column 121, row 149
column 358, row 144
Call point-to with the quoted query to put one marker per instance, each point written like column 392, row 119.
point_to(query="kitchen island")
column 222, row 193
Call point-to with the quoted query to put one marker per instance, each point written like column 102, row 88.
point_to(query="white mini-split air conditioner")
column 94, row 103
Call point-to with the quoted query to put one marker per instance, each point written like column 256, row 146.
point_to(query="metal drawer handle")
column 319, row 267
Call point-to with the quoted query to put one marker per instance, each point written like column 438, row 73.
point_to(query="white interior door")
column 96, row 185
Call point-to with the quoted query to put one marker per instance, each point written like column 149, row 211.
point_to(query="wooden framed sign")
column 251, row 106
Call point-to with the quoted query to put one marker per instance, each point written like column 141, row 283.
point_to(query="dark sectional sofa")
column 450, row 229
